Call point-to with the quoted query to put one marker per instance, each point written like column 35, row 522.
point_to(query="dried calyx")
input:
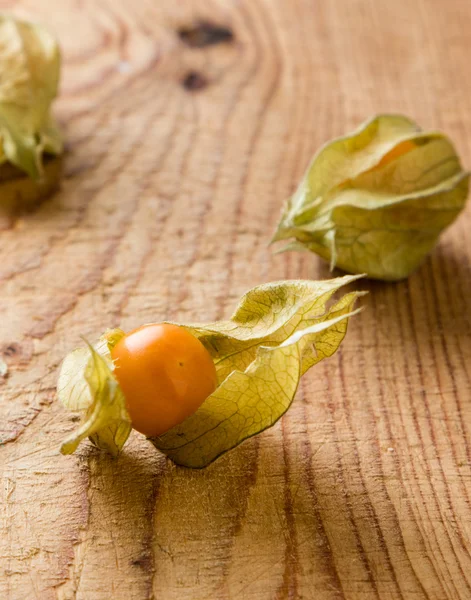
column 30, row 141
column 278, row 332
column 376, row 201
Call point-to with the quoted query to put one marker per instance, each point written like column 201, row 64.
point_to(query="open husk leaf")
column 277, row 333
column 29, row 136
column 376, row 201
column 86, row 386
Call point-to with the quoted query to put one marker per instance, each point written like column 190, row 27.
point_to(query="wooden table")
column 181, row 152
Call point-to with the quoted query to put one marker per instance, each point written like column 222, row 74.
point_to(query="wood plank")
column 179, row 159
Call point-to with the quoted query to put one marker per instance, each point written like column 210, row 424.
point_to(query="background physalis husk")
column 278, row 331
column 29, row 136
column 376, row 201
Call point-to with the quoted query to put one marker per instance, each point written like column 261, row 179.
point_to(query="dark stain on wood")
column 144, row 561
column 205, row 33
column 194, row 81
column 16, row 354
column 11, row 350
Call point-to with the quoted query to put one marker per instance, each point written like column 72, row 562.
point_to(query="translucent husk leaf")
column 376, row 201
column 30, row 68
column 278, row 331
column 86, row 385
column 249, row 401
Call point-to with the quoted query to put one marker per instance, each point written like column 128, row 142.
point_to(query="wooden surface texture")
column 182, row 145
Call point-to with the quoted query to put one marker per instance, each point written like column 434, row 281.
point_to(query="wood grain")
column 181, row 151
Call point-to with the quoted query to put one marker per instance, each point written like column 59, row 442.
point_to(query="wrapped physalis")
column 376, row 201
column 30, row 141
column 197, row 391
